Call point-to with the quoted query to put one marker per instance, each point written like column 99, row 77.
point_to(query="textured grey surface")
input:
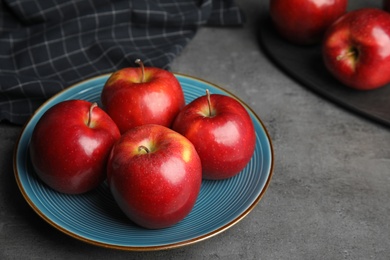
column 329, row 196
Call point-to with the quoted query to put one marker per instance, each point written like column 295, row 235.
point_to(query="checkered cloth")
column 48, row 45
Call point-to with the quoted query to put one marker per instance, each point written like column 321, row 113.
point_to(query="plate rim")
column 143, row 248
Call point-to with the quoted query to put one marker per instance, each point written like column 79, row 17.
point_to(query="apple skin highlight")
column 224, row 138
column 304, row 22
column 155, row 175
column 138, row 96
column 70, row 146
column 356, row 49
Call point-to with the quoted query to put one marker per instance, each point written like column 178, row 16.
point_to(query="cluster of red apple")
column 152, row 148
column 355, row 44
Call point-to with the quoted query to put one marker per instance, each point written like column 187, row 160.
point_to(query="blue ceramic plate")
column 95, row 218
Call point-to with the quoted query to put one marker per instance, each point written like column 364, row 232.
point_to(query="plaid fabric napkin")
column 48, row 45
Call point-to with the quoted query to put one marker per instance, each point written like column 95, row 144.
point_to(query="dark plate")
column 305, row 64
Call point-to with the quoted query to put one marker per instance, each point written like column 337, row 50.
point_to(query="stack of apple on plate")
column 355, row 44
column 151, row 148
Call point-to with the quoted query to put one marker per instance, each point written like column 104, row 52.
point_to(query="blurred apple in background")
column 155, row 175
column 222, row 132
column 305, row 21
column 356, row 48
column 145, row 95
column 70, row 145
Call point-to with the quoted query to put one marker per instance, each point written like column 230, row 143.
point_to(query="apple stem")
column 208, row 101
column 93, row 105
column 141, row 64
column 143, row 149
column 350, row 53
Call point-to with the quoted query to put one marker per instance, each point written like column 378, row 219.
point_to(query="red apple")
column 386, row 5
column 356, row 49
column 146, row 95
column 222, row 132
column 70, row 145
column 154, row 174
column 305, row 21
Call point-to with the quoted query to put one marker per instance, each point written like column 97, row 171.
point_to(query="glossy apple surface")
column 133, row 97
column 356, row 49
column 224, row 138
column 70, row 145
column 305, row 21
column 154, row 174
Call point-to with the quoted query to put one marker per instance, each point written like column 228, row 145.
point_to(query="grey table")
column 329, row 196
